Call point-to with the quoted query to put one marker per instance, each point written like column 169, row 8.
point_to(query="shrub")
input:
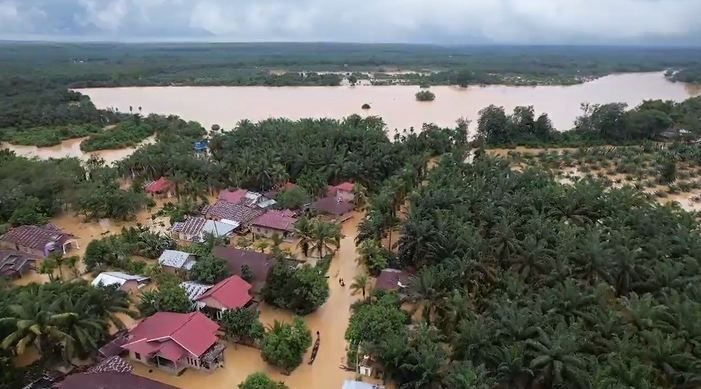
column 425, row 95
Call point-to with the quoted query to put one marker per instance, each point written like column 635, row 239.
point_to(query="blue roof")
column 349, row 384
column 201, row 145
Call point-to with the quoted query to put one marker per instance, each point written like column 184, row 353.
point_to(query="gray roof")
column 194, row 289
column 198, row 226
column 176, row 259
column 349, row 384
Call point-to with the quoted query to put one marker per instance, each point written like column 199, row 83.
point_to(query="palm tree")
column 36, row 321
column 556, row 359
column 85, row 329
column 72, row 264
column 262, row 245
column 48, row 266
column 326, row 237
column 303, row 230
column 512, row 366
column 360, row 283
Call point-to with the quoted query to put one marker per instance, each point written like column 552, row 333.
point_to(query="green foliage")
column 375, row 320
column 29, row 212
column 300, row 289
column 114, row 251
column 425, row 95
column 209, row 270
column 125, row 134
column 48, row 135
column 261, row 381
column 284, row 344
column 495, row 127
column 169, row 297
column 242, row 325
column 294, row 198
column 247, row 273
column 668, row 171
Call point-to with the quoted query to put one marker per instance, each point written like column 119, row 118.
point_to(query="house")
column 126, row 282
column 368, row 367
column 194, row 229
column 15, row 264
column 232, row 196
column 111, row 373
column 344, row 191
column 175, row 260
column 350, row 384
column 230, row 293
column 194, row 290
column 174, row 342
column 280, row 222
column 38, row 241
column 259, row 263
column 161, row 188
column 333, row 208
column 392, row 280
column 233, row 213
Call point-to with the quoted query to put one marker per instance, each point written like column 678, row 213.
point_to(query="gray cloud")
column 438, row 21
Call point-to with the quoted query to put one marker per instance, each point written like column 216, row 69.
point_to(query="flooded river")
column 395, row 104
column 71, row 148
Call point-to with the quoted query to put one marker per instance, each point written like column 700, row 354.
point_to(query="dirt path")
column 330, row 320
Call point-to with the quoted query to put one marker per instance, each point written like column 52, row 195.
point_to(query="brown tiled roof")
column 259, row 263
column 236, row 212
column 389, row 279
column 111, row 380
column 36, row 237
column 191, row 226
column 14, row 263
column 114, row 347
column 332, row 206
column 282, row 220
column 113, row 364
column 159, row 186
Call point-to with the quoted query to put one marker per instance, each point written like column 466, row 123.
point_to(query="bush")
column 425, row 95
column 301, row 290
column 285, row 344
column 365, row 106
column 261, row 381
column 209, row 270
column 242, row 325
column 294, row 198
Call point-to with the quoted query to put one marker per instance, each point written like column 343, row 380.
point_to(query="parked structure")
column 259, row 263
column 14, row 264
column 194, row 229
column 126, row 282
column 230, row 293
column 175, row 341
column 161, row 188
column 174, row 260
column 280, row 222
column 38, row 241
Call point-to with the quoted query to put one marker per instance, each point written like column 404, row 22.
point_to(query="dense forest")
column 526, row 283
column 114, row 64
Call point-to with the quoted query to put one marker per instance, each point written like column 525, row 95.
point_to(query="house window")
column 137, row 356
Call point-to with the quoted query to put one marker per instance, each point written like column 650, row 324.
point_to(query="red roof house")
column 392, row 280
column 160, row 187
column 175, row 341
column 273, row 222
column 230, row 293
column 232, row 196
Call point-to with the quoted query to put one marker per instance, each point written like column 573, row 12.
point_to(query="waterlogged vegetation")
column 525, row 282
column 425, row 95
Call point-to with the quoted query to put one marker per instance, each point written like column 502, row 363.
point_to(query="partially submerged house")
column 194, row 290
column 237, row 214
column 161, row 188
column 280, row 222
column 174, row 342
column 247, row 198
column 230, row 293
column 344, row 191
column 38, row 241
column 392, row 280
column 174, row 260
column 333, row 208
column 259, row 263
column 110, row 373
column 195, row 229
column 126, row 282
column 14, row 264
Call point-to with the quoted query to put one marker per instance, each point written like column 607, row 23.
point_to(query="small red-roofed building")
column 174, row 342
column 230, row 293
column 344, row 191
column 161, row 188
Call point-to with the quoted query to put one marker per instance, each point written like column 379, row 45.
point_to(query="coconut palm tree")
column 361, row 282
column 326, row 237
column 512, row 366
column 86, row 330
column 304, row 230
column 556, row 360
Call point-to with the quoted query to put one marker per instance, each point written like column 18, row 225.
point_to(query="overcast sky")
column 421, row 21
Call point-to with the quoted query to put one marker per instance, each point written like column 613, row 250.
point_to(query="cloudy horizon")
column 638, row 22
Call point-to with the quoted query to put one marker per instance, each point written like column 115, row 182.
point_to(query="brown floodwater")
column 71, row 148
column 395, row 104
column 330, row 320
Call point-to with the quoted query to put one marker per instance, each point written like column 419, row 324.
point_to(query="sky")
column 657, row 22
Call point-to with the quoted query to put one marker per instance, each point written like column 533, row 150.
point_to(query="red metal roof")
column 173, row 334
column 231, row 293
column 159, row 186
column 233, row 197
column 345, row 186
column 282, row 220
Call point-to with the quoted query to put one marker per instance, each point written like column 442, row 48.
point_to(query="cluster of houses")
column 22, row 247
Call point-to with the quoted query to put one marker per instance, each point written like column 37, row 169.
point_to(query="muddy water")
column 330, row 320
column 71, row 148
column 395, row 104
